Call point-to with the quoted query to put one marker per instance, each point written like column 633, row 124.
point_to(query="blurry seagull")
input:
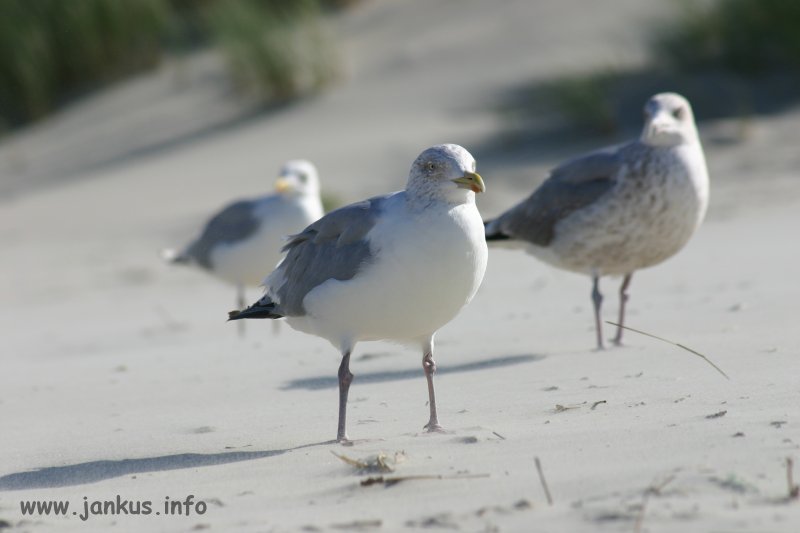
column 244, row 240
column 620, row 209
column 395, row 267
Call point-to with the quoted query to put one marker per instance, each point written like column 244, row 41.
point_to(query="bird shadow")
column 328, row 382
column 94, row 471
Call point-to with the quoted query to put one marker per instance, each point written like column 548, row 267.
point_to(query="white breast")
column 426, row 267
column 249, row 261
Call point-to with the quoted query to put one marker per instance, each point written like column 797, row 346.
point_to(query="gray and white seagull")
column 620, row 209
column 244, row 239
column 395, row 267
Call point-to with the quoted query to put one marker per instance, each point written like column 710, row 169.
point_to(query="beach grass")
column 53, row 51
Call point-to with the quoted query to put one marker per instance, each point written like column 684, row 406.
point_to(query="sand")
column 119, row 375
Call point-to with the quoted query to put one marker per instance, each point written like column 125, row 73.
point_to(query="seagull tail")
column 493, row 231
column 264, row 308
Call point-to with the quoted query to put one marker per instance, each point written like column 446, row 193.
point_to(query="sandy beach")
column 120, row 377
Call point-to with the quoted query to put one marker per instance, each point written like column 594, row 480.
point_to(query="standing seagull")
column 395, row 267
column 614, row 211
column 243, row 240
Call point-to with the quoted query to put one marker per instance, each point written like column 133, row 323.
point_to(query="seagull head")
column 298, row 177
column 445, row 172
column 668, row 121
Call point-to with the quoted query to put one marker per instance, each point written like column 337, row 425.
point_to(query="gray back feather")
column 234, row 223
column 333, row 247
column 571, row 186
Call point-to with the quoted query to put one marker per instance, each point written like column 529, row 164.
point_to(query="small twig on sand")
column 378, row 463
column 543, row 481
column 352, row 462
column 390, row 481
column 679, row 345
column 794, row 490
column 358, row 525
column 649, row 491
column 637, row 526
column 499, row 435
column 561, row 408
column 595, row 404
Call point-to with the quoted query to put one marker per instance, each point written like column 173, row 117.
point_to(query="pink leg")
column 597, row 300
column 623, row 299
column 429, row 366
column 345, row 379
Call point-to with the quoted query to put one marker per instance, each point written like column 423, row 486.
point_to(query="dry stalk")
column 679, row 345
column 543, row 481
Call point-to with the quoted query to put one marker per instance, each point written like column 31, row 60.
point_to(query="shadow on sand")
column 329, row 382
column 94, row 471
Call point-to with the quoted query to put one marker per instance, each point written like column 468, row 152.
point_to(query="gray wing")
column 571, row 186
column 234, row 223
column 333, row 247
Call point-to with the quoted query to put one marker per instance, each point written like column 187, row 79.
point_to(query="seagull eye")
column 678, row 113
column 430, row 166
column 303, row 178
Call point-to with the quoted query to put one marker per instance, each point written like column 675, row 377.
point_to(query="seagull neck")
column 688, row 136
column 421, row 200
column 422, row 193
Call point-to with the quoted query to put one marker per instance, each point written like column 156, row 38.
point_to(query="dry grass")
column 679, row 345
column 276, row 51
column 742, row 36
column 52, row 51
column 731, row 58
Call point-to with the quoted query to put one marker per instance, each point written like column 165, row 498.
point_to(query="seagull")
column 620, row 209
column 244, row 239
column 396, row 267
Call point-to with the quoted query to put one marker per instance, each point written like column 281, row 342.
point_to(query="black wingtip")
column 497, row 237
column 255, row 311
column 494, row 235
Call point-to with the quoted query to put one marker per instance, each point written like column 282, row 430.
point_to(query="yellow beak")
column 472, row 181
column 282, row 185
